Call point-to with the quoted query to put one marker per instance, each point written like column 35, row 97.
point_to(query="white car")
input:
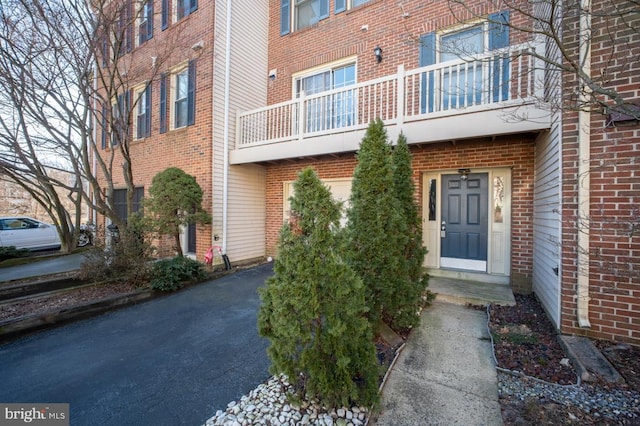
column 28, row 233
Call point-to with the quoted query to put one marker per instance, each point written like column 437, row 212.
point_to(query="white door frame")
column 499, row 226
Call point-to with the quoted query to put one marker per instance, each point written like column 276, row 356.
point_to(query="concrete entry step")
column 588, row 361
column 461, row 292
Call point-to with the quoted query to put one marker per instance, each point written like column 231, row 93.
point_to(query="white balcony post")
column 539, row 73
column 400, row 98
column 301, row 117
column 238, row 141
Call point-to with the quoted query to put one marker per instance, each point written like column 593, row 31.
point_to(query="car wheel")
column 84, row 240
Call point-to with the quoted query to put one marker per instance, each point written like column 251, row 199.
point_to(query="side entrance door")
column 463, row 229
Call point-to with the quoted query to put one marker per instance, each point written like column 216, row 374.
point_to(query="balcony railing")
column 491, row 81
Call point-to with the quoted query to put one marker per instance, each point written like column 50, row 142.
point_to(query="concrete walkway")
column 446, row 374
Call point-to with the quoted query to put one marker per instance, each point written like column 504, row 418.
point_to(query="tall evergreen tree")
column 410, row 298
column 313, row 307
column 376, row 232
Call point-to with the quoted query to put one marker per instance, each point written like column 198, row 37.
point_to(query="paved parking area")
column 170, row 361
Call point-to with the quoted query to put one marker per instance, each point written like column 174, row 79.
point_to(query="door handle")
column 443, row 229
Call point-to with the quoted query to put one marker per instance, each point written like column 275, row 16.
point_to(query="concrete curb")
column 20, row 326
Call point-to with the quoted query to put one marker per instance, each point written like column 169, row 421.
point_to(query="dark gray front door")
column 464, row 216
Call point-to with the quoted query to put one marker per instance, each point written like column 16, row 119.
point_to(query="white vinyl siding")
column 547, row 261
column 247, row 215
column 248, row 90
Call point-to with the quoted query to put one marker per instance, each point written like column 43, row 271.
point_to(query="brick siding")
column 189, row 148
column 514, row 152
column 614, row 211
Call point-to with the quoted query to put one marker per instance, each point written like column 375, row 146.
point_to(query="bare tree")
column 67, row 68
column 608, row 32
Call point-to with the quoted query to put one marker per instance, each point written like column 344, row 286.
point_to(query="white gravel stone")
column 267, row 404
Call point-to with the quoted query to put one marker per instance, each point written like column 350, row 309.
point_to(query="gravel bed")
column 268, row 404
column 597, row 401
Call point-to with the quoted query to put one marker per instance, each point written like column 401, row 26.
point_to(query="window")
column 462, row 86
column 104, row 130
column 119, row 201
column 143, row 112
column 183, row 96
column 145, row 24
column 120, row 118
column 470, row 82
column 335, row 110
column 303, row 13
column 123, row 33
column 342, row 5
column 180, row 104
column 185, row 8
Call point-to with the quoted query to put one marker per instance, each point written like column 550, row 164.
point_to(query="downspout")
column 584, row 176
column 225, row 176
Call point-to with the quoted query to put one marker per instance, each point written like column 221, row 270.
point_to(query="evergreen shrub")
column 313, row 307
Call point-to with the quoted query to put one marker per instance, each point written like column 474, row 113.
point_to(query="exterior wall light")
column 464, row 173
column 377, row 51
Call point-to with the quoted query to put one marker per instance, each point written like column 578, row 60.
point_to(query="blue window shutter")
column 324, row 9
column 499, row 30
column 163, row 103
column 427, row 57
column 150, row 21
column 165, row 14
column 129, row 23
column 499, row 38
column 191, row 94
column 147, row 112
column 103, row 125
column 285, row 17
column 341, row 6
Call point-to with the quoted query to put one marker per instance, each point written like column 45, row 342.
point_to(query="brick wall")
column 189, row 148
column 393, row 26
column 614, row 175
column 514, row 152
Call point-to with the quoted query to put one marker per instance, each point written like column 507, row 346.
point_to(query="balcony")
column 493, row 94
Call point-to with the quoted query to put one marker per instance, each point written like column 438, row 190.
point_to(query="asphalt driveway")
column 170, row 361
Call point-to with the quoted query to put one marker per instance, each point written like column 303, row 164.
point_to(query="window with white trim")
column 145, row 21
column 296, row 15
column 185, row 8
column 466, row 82
column 143, row 112
column 183, row 96
column 120, row 118
column 332, row 111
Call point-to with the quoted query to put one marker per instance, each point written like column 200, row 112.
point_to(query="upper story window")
column 120, row 118
column 143, row 112
column 468, row 82
column 342, row 5
column 182, row 97
column 185, row 7
column 145, row 22
column 176, row 8
column 299, row 14
column 463, row 43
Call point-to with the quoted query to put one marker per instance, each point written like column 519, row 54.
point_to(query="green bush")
column 171, row 274
column 313, row 307
column 12, row 252
column 124, row 259
column 376, row 231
